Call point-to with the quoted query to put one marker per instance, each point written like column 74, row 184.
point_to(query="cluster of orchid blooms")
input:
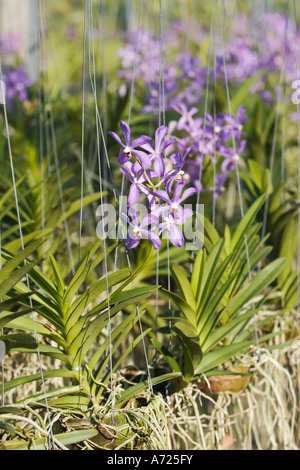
column 162, row 171
column 250, row 50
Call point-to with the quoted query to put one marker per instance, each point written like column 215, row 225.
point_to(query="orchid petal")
column 176, row 236
column 126, row 132
column 159, row 166
column 163, row 195
column 141, row 141
column 133, row 195
column 187, row 193
column 159, row 136
column 117, row 138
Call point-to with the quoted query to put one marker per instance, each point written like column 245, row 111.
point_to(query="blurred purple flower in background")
column 17, row 83
column 9, row 42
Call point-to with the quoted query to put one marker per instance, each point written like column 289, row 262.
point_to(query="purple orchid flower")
column 17, row 83
column 131, row 173
column 177, row 216
column 217, row 128
column 186, row 115
column 178, row 160
column 131, row 148
column 175, row 235
column 137, row 230
column 236, row 124
column 218, row 187
column 160, row 147
column 173, row 205
column 232, row 157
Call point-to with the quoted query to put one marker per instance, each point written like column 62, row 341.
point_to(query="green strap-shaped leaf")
column 184, row 285
column 197, row 274
column 84, row 269
column 11, row 384
column 260, row 281
column 181, row 305
column 66, row 439
column 94, row 291
column 222, row 331
column 246, row 221
column 219, row 356
column 167, row 355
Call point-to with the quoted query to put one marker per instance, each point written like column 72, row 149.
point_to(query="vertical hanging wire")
column 214, row 114
column 277, row 114
column 204, row 120
column 92, row 74
column 53, row 136
column 236, row 166
column 41, row 134
column 51, row 438
column 129, row 117
column 162, row 121
column 134, row 62
column 102, row 26
column 82, row 136
column 205, row 102
column 150, row 388
column 100, row 127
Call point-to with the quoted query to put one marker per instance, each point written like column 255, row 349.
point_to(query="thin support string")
column 82, row 137
column 41, row 136
column 150, row 388
column 104, row 83
column 129, row 117
column 274, row 141
column 205, row 106
column 25, row 263
column 55, row 152
column 134, row 62
column 93, row 85
column 93, row 82
column 236, row 166
column 204, row 122
column 215, row 112
column 162, row 119
column 161, row 68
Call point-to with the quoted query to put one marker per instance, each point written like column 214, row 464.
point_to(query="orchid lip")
column 127, row 151
column 174, row 208
column 186, row 177
column 137, row 232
